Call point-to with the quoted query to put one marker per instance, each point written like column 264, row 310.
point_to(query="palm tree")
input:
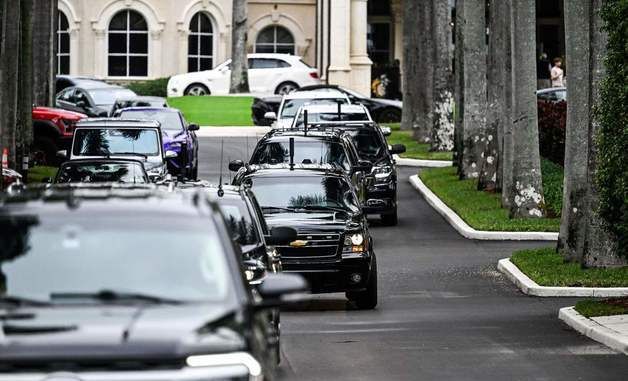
column 10, row 46
column 410, row 116
column 24, row 127
column 506, row 149
column 43, row 56
column 239, row 64
column 459, row 85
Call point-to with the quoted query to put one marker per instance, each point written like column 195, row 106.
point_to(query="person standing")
column 543, row 68
column 557, row 73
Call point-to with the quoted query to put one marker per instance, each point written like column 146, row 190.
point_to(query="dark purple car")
column 178, row 136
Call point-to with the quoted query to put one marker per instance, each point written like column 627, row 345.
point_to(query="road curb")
column 467, row 231
column 594, row 330
column 530, row 287
column 406, row 162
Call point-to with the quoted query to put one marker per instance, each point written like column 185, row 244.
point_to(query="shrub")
column 552, row 127
column 155, row 87
column 612, row 171
column 553, row 176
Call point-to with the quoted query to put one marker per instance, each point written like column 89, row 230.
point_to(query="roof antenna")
column 229, row 160
column 221, row 192
column 339, row 110
column 291, row 154
column 247, row 148
column 304, row 122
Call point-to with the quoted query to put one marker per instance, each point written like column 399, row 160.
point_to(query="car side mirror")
column 397, row 149
column 103, row 114
column 278, row 285
column 171, row 154
column 386, row 131
column 81, row 104
column 364, row 166
column 235, row 165
column 62, row 154
column 255, row 271
column 193, row 127
column 281, row 235
column 270, row 115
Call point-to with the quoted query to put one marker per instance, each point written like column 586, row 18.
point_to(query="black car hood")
column 117, row 332
column 314, row 221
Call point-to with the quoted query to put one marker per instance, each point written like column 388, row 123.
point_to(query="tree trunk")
column 443, row 126
column 527, row 201
column 239, row 62
column 9, row 80
column 44, row 54
column 506, row 142
column 24, row 127
column 474, row 46
column 410, row 113
column 459, row 85
column 496, row 45
column 422, row 132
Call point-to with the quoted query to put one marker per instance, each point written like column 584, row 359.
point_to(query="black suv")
column 152, row 288
column 312, row 147
column 333, row 249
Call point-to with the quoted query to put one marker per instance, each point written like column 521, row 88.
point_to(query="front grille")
column 319, row 245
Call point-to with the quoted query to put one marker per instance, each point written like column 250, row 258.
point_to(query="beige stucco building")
column 140, row 39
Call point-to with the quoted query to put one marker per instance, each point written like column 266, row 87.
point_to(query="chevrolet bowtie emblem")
column 298, row 243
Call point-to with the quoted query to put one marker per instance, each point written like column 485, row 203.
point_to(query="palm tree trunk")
column 442, row 127
column 422, row 133
column 24, row 127
column 9, row 78
column 410, row 114
column 239, row 62
column 474, row 130
column 459, row 85
column 43, row 55
column 527, row 201
column 506, row 142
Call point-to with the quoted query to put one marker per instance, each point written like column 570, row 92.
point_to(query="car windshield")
column 170, row 121
column 61, row 253
column 291, row 106
column 304, row 192
column 368, row 143
column 107, row 97
column 115, row 141
column 305, row 152
column 132, row 173
column 315, row 117
column 240, row 221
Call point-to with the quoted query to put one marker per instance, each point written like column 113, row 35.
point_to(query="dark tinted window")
column 131, row 173
column 170, row 121
column 333, row 117
column 369, row 143
column 119, row 141
column 291, row 106
column 240, row 221
column 305, row 152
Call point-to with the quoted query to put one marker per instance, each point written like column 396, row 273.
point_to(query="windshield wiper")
column 114, row 296
column 129, row 154
column 19, row 301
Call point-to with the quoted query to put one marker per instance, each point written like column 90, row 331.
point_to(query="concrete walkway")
column 611, row 331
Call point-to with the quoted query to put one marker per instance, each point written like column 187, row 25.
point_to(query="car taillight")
column 314, row 74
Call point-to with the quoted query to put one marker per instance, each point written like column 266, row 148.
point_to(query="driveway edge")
column 406, row 162
column 530, row 287
column 590, row 328
column 467, row 231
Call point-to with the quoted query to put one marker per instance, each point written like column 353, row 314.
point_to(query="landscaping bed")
column 215, row 110
column 607, row 307
column 547, row 268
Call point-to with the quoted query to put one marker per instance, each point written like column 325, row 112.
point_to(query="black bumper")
column 333, row 276
column 381, row 199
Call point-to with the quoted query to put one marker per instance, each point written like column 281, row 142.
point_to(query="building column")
column 101, row 57
column 339, row 59
column 360, row 61
column 397, row 21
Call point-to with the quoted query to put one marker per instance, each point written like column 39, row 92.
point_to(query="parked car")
column 52, row 131
column 129, row 286
column 292, row 102
column 332, row 114
column 94, row 100
column 102, row 171
column 552, row 94
column 64, row 81
column 122, row 139
column 268, row 73
column 333, row 249
column 10, row 176
column 178, row 136
column 382, row 110
column 138, row 101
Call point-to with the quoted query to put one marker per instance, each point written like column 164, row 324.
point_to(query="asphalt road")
column 444, row 311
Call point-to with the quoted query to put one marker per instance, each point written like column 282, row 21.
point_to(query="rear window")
column 115, row 141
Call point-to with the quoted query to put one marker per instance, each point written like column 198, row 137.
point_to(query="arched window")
column 63, row 44
column 128, row 45
column 274, row 39
column 200, row 43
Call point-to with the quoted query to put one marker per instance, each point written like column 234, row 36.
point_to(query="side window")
column 281, row 63
column 80, row 96
column 268, row 63
column 253, row 63
column 68, row 95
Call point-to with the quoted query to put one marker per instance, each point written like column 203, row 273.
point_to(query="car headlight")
column 228, row 359
column 354, row 243
column 382, row 172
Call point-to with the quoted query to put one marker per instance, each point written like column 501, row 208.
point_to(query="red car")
column 53, row 129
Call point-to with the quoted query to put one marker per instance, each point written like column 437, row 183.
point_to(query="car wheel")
column 197, row 90
column 44, row 151
column 390, row 219
column 367, row 299
column 390, row 115
column 286, row 88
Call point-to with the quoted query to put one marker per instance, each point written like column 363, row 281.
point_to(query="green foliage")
column 154, row 88
column 39, row 173
column 548, row 268
column 552, row 127
column 608, row 307
column 481, row 210
column 553, row 178
column 415, row 150
column 215, row 110
column 612, row 112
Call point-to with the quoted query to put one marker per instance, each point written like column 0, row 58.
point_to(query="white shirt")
column 557, row 77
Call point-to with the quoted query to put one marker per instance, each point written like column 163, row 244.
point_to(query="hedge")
column 612, row 113
column 552, row 127
column 155, row 87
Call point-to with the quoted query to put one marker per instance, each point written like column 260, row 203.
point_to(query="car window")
column 130, row 173
column 368, row 143
column 105, row 97
column 79, row 96
column 267, row 63
column 333, row 117
column 292, row 106
column 115, row 141
column 77, row 253
column 170, row 121
column 239, row 221
column 305, row 152
column 67, row 95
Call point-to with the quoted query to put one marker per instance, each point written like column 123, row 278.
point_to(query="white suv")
column 268, row 73
column 291, row 103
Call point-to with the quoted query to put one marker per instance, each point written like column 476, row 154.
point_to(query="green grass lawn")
column 481, row 210
column 215, row 110
column 416, row 150
column 548, row 268
column 608, row 307
column 38, row 174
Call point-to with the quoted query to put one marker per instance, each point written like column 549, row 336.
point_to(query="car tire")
column 194, row 172
column 367, row 299
column 389, row 115
column 44, row 151
column 286, row 88
column 197, row 90
column 390, row 219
